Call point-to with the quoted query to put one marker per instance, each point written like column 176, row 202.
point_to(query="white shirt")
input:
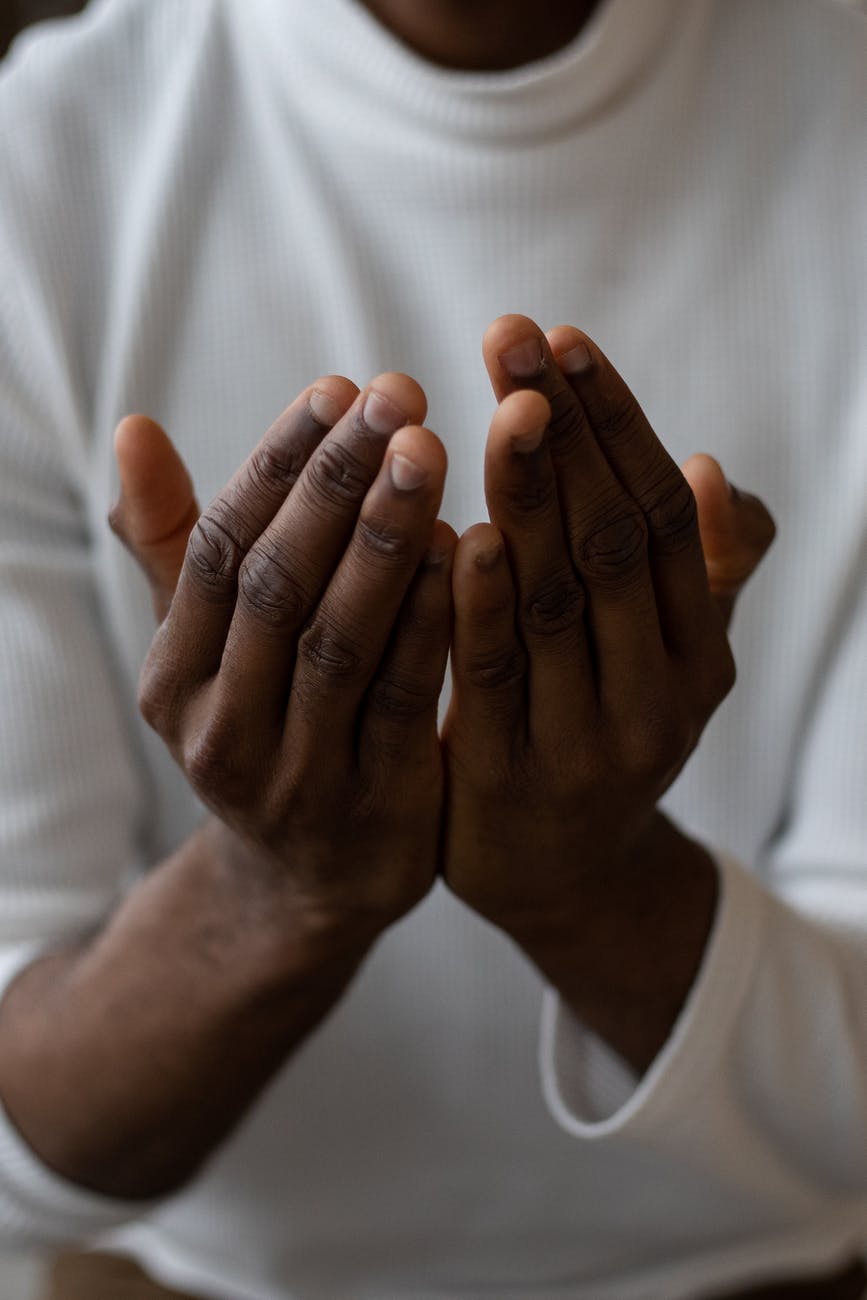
column 205, row 206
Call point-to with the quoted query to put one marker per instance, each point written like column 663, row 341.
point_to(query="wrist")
column 625, row 950
column 203, row 972
column 287, row 935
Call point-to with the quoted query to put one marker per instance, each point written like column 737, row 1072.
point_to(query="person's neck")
column 483, row 35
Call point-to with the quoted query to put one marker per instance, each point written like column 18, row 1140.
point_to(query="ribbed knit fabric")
column 204, row 206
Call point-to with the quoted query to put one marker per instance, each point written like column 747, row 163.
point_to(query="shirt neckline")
column 359, row 55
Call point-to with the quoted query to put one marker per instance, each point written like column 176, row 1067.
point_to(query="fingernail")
column 524, row 360
column 527, row 442
column 323, row 408
column 489, row 558
column 576, row 360
column 381, row 414
column 406, row 476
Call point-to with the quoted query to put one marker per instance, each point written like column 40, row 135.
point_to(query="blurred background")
column 19, row 1275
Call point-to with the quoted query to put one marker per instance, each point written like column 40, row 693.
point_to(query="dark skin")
column 483, row 35
column 309, row 558
column 303, row 623
column 605, row 659
column 298, row 669
column 588, row 655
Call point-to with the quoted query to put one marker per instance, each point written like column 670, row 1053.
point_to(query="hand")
column 589, row 651
column 296, row 671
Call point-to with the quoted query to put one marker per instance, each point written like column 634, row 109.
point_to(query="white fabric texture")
column 202, row 208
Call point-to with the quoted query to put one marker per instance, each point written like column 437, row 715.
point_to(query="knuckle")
column 268, row 590
column 613, row 553
column 497, row 670
column 554, row 609
column 399, row 698
column 620, row 422
column 330, row 654
column 568, row 427
column 272, row 467
column 215, row 550
column 673, row 518
column 337, row 476
column 383, row 539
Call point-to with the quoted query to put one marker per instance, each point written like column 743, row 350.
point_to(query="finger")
column 489, row 663
column 605, row 528
column 736, row 530
column 286, row 571
column 400, row 709
column 521, row 490
column 344, row 642
column 157, row 507
column 194, row 633
column 650, row 475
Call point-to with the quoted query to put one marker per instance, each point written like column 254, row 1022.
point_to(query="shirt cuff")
column 592, row 1094
column 38, row 1207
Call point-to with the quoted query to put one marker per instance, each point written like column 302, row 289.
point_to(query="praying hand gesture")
column 589, row 651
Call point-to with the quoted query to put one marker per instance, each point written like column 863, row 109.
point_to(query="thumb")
column 736, row 530
column 157, row 508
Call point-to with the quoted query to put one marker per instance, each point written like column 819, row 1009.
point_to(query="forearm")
column 626, row 958
column 166, row 1025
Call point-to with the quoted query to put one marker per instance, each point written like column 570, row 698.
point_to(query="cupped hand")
column 590, row 643
column 305, row 626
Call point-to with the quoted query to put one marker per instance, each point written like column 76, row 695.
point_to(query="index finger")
column 589, row 400
column 200, row 612
column 651, row 476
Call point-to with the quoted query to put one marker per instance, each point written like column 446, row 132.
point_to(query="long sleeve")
column 70, row 790
column 761, row 1089
column 208, row 205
